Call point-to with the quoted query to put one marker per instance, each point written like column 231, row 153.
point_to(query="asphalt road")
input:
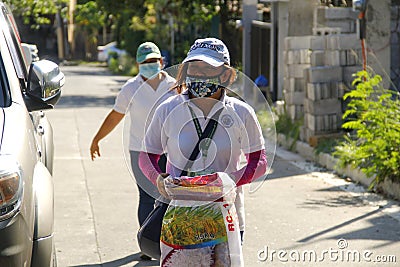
column 301, row 216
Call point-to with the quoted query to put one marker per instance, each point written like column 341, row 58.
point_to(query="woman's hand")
column 161, row 186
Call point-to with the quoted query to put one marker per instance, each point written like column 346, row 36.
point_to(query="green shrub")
column 113, row 65
column 267, row 122
column 327, row 145
column 288, row 127
column 373, row 116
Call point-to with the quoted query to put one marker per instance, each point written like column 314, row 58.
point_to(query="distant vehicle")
column 105, row 52
column 31, row 52
column 26, row 152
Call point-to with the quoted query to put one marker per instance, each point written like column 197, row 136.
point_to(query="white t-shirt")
column 172, row 130
column 141, row 100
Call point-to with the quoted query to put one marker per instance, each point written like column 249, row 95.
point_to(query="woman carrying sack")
column 204, row 132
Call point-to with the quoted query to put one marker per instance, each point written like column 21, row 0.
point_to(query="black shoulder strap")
column 208, row 133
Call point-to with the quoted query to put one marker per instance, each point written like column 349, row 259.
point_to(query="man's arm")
column 109, row 123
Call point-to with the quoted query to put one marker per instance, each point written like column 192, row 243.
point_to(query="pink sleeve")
column 148, row 163
column 255, row 168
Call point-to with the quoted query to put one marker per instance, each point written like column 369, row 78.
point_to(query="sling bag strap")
column 208, row 133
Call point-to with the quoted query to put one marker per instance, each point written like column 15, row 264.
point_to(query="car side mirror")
column 44, row 85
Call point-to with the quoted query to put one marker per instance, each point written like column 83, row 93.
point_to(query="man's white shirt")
column 140, row 100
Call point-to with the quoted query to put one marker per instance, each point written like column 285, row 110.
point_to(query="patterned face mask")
column 201, row 86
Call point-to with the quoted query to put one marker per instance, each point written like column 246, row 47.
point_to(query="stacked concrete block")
column 317, row 125
column 326, row 31
column 301, row 53
column 323, row 74
column 348, row 57
column 338, row 19
column 326, row 84
column 325, row 90
column 318, row 71
column 305, row 42
column 322, row 105
column 344, row 50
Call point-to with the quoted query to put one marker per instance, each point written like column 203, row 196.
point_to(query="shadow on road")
column 80, row 101
column 375, row 217
column 373, row 232
column 93, row 71
column 285, row 169
column 334, row 202
column 346, row 223
column 134, row 259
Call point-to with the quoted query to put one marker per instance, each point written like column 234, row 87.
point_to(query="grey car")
column 26, row 152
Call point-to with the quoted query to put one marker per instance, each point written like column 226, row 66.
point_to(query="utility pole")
column 71, row 26
column 172, row 35
column 249, row 14
column 60, row 35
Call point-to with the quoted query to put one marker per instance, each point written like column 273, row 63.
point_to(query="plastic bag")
column 200, row 232
column 202, row 187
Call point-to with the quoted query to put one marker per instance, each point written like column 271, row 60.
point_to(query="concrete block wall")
column 296, row 59
column 325, row 90
column 322, row 104
column 301, row 53
column 395, row 45
column 344, row 50
column 318, row 71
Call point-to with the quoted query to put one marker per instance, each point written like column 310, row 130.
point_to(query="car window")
column 5, row 97
column 13, row 42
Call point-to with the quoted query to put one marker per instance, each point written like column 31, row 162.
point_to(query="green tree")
column 196, row 19
column 229, row 12
column 157, row 20
column 185, row 20
column 36, row 12
column 122, row 12
column 89, row 18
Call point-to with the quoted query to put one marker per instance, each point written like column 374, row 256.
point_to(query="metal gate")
column 261, row 54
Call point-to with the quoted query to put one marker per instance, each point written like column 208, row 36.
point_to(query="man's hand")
column 161, row 186
column 94, row 150
column 109, row 123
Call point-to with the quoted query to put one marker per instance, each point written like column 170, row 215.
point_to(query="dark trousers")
column 147, row 191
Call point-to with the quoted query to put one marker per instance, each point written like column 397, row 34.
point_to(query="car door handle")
column 40, row 130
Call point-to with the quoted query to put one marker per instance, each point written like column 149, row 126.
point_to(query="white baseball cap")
column 210, row 50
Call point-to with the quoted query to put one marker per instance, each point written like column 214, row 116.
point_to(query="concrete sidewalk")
column 299, row 214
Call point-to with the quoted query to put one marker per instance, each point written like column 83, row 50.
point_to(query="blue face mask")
column 148, row 70
column 202, row 86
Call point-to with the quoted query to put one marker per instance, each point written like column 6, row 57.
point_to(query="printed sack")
column 204, row 231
